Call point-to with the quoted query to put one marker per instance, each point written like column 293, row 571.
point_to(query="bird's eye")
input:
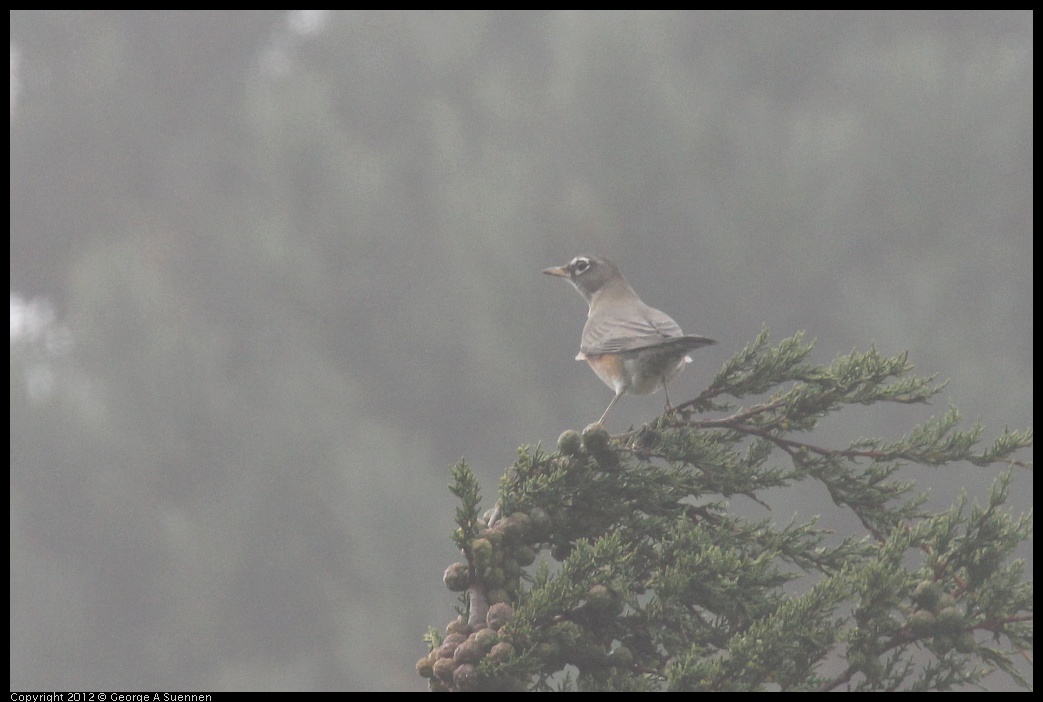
column 581, row 265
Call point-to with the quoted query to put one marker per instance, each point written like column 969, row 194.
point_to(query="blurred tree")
column 662, row 587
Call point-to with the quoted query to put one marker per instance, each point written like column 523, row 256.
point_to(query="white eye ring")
column 581, row 264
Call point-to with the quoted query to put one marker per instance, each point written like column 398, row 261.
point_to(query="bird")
column 632, row 347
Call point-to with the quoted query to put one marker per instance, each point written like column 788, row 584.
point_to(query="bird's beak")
column 558, row 271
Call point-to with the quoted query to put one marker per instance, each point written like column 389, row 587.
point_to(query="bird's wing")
column 617, row 334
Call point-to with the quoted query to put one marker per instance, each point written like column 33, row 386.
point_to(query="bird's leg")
column 669, row 407
column 602, row 420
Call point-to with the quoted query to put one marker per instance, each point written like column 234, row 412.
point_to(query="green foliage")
column 465, row 488
column 661, row 587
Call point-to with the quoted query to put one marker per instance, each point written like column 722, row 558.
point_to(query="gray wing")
column 650, row 327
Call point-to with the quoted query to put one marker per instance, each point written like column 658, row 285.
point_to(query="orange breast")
column 609, row 367
column 640, row 371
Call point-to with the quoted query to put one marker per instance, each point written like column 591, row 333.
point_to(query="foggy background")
column 272, row 273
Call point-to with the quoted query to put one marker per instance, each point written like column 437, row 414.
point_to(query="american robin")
column 632, row 347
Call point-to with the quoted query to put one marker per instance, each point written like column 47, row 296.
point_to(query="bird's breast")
column 637, row 372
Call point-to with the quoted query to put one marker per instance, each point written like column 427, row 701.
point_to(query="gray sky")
column 273, row 273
